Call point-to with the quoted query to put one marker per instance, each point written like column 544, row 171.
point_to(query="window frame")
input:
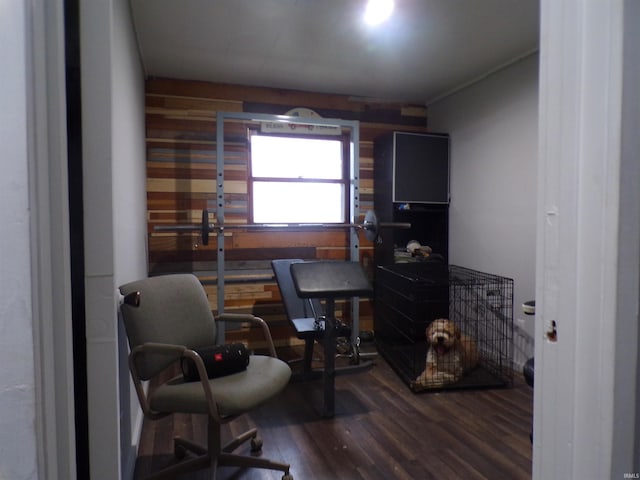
column 345, row 180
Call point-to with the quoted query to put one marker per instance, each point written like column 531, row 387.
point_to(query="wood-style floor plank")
column 381, row 431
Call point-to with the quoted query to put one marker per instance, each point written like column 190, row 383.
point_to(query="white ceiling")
column 427, row 48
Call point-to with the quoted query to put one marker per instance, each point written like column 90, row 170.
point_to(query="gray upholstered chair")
column 166, row 318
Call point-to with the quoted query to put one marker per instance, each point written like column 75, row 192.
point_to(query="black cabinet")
column 411, row 185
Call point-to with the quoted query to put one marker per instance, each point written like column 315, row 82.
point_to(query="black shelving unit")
column 411, row 185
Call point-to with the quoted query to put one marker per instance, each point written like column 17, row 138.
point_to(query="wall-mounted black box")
column 411, row 185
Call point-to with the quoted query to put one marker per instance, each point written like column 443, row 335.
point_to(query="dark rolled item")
column 218, row 360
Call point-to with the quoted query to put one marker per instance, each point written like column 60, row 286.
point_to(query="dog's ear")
column 427, row 331
column 457, row 332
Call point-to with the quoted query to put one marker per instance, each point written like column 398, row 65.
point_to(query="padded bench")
column 330, row 280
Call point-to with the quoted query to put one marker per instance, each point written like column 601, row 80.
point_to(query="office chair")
column 167, row 318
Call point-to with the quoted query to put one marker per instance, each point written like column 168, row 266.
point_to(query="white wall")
column 129, row 205
column 494, row 136
column 115, row 223
column 630, row 129
column 18, row 455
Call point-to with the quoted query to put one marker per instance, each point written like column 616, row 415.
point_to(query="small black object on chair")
column 167, row 320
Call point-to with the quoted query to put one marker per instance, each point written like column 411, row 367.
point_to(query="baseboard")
column 130, row 455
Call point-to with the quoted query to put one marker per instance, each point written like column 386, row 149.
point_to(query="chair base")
column 224, row 458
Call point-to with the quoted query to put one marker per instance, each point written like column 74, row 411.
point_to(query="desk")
column 329, row 281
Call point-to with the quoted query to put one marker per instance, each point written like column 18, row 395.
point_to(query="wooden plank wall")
column 181, row 182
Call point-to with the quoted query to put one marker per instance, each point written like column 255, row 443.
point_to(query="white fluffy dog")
column 451, row 354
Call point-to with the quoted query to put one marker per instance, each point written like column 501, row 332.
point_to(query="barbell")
column 371, row 226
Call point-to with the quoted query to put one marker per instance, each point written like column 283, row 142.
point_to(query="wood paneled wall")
column 181, row 182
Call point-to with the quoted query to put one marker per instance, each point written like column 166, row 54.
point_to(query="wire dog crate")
column 411, row 300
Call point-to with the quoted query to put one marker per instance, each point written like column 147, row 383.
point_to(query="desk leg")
column 329, row 375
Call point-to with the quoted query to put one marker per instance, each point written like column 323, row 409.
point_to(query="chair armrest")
column 154, row 347
column 236, row 317
column 179, row 351
column 248, row 318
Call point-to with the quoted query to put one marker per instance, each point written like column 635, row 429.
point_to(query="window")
column 297, row 179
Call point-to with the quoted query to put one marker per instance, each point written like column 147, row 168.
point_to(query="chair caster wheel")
column 179, row 451
column 287, row 476
column 256, row 445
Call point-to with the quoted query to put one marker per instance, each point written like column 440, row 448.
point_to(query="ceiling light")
column 378, row 11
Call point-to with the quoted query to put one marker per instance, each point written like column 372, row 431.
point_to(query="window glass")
column 296, row 202
column 297, row 180
column 289, row 157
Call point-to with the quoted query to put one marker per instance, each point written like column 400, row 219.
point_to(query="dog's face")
column 442, row 335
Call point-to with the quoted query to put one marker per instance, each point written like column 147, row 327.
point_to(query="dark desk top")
column 330, row 279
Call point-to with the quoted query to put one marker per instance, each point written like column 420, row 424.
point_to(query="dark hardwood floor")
column 381, row 431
